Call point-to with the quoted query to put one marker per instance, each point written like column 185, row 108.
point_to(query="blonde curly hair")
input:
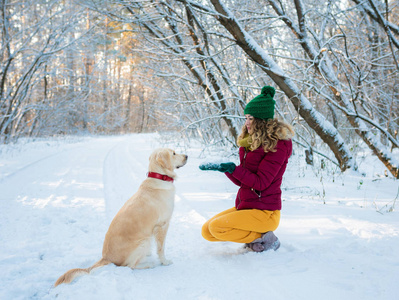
column 267, row 133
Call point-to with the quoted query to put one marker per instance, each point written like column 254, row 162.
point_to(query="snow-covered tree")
column 312, row 51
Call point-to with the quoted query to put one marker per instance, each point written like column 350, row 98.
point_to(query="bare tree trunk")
column 88, row 63
column 128, row 109
column 142, row 106
column 105, row 76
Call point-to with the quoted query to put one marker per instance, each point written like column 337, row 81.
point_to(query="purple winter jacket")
column 259, row 176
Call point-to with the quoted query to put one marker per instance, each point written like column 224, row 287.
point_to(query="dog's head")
column 165, row 161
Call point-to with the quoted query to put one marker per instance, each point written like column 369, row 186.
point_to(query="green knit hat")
column 262, row 106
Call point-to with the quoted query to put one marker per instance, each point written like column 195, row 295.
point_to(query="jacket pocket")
column 248, row 194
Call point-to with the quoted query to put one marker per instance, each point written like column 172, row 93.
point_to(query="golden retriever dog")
column 144, row 216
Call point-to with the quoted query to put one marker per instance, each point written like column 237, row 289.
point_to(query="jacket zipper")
column 256, row 192
column 245, row 156
column 252, row 189
column 243, row 165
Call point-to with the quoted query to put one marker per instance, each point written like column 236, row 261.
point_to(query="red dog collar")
column 160, row 176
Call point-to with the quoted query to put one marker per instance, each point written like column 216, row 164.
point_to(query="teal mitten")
column 227, row 167
column 223, row 167
column 209, row 167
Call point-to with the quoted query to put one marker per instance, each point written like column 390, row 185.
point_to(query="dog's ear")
column 164, row 160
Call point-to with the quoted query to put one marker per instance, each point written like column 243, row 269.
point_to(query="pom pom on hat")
column 268, row 90
column 262, row 106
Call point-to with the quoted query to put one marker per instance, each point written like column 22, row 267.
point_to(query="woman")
column 265, row 146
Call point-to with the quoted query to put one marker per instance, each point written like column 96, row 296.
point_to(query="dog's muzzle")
column 184, row 162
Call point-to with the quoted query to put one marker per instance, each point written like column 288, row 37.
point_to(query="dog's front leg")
column 160, row 235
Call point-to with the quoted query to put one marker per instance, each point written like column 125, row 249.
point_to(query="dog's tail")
column 69, row 276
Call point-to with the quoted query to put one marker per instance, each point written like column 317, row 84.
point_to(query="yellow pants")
column 240, row 226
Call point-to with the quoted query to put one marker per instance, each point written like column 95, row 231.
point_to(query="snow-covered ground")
column 57, row 198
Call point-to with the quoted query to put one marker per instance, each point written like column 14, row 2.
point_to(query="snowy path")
column 57, row 200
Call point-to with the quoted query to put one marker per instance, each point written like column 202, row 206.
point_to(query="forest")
column 189, row 67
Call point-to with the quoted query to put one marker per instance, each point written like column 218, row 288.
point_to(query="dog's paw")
column 166, row 262
column 145, row 265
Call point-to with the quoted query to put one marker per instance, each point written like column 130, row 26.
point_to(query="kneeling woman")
column 265, row 146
